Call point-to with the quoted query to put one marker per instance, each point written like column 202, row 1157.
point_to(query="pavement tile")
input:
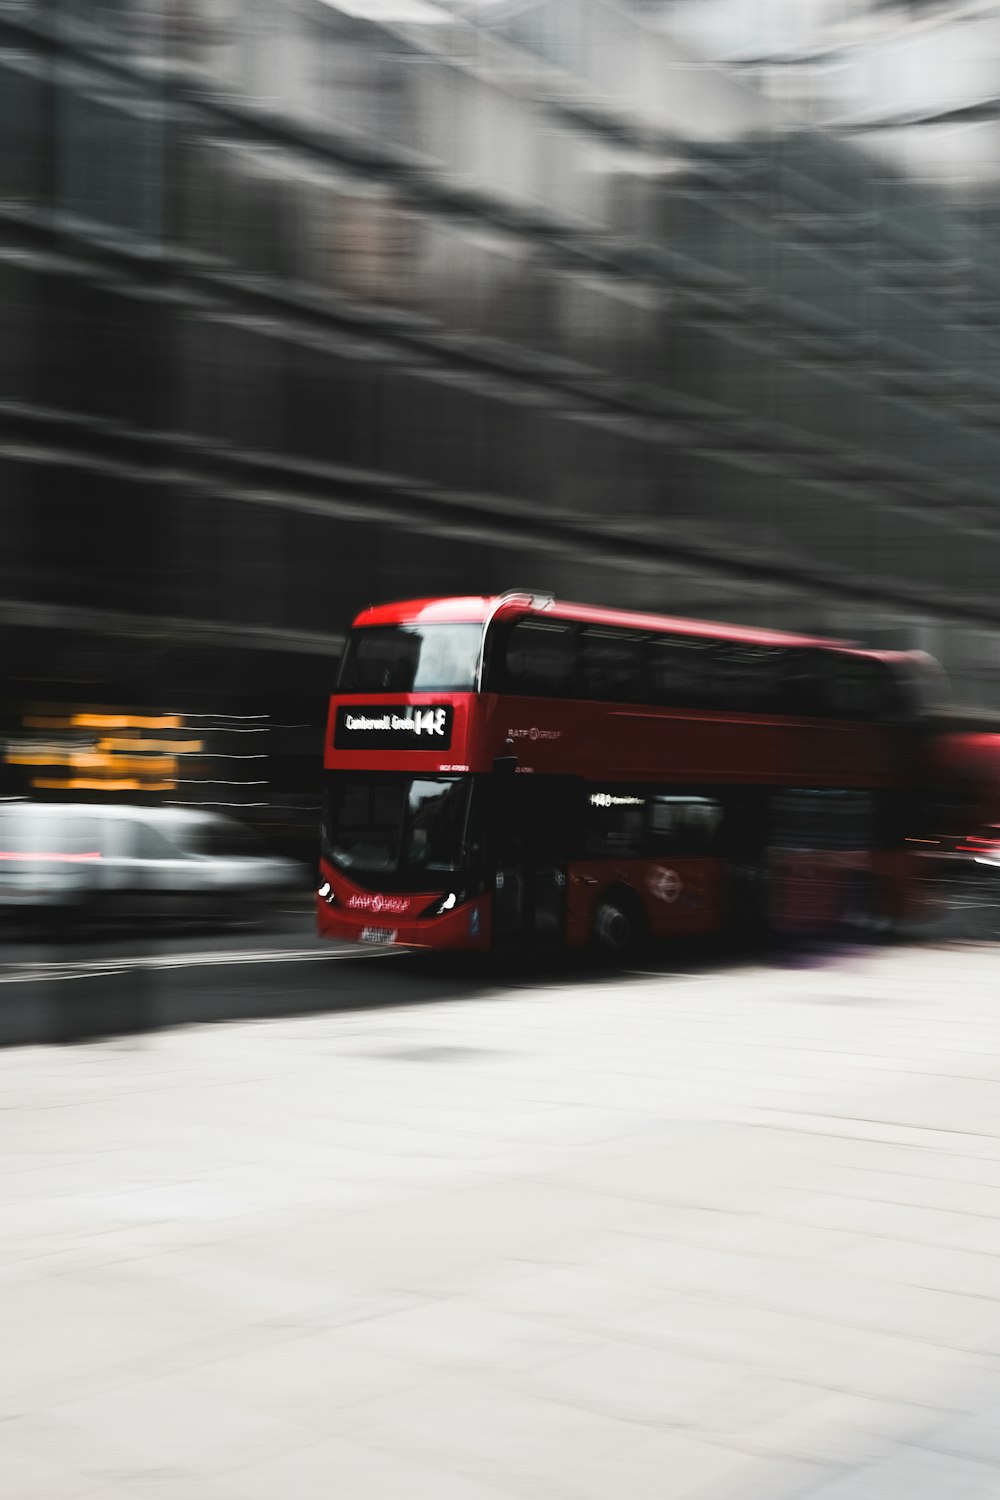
column 105, row 1464
column 451, row 1335
column 339, row 1467
column 165, row 1484
column 171, row 1422
column 491, row 1434
column 729, row 1238
column 908, row 1473
column 671, row 1466
column 972, row 1273
column 30, row 1477
column 632, row 1382
column 62, row 1337
column 973, row 1436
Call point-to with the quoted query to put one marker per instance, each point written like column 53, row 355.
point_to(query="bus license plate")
column 378, row 934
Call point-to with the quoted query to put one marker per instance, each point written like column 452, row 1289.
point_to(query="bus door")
column 531, row 825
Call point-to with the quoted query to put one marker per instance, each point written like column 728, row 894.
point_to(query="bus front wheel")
column 618, row 928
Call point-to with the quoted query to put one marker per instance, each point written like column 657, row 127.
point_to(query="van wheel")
column 618, row 930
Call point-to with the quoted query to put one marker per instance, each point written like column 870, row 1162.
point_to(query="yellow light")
column 144, row 765
column 96, row 784
column 51, row 757
column 126, row 721
column 93, row 760
column 181, row 746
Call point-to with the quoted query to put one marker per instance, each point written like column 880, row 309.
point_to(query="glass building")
column 305, row 306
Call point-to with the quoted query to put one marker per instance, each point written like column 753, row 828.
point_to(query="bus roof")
column 476, row 608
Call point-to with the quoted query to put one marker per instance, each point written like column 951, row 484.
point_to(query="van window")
column 224, row 840
column 24, row 831
column 150, row 843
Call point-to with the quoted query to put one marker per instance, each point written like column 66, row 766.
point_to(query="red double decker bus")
column 515, row 771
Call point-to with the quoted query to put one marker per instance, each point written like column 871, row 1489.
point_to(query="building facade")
column 305, row 306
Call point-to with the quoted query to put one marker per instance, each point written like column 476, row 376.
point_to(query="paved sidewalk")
column 733, row 1237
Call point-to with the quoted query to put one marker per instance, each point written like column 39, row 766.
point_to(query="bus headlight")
column 446, row 903
column 325, row 892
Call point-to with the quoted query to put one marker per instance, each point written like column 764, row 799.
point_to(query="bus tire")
column 867, row 918
column 618, row 929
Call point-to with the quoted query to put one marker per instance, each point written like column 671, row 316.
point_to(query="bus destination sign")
column 394, row 726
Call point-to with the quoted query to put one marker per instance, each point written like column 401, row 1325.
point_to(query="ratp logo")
column 378, row 903
column 666, row 885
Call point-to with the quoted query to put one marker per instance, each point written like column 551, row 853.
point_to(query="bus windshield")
column 411, row 659
column 398, row 831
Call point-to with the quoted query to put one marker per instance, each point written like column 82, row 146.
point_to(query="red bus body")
column 963, row 815
column 667, row 773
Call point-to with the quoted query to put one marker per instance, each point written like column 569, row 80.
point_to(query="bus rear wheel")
column 866, row 918
column 618, row 929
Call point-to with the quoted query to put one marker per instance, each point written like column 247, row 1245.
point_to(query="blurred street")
column 728, row 1233
column 502, row 476
column 120, row 982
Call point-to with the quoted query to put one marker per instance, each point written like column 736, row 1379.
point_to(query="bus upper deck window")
column 746, row 676
column 540, row 658
column 411, row 659
column 681, row 672
column 863, row 689
column 808, row 684
column 611, row 664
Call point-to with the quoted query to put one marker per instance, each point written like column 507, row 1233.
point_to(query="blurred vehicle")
column 102, row 863
column 960, row 869
column 517, row 771
column 984, row 847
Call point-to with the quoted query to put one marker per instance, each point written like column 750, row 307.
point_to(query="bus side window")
column 855, row 688
column 680, row 670
column 891, row 699
column 702, row 825
column 614, row 826
column 822, row 820
column 746, row 676
column 808, row 684
column 611, row 664
column 540, row 658
column 682, row 825
column 664, row 825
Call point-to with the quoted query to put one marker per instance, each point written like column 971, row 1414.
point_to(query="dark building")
column 301, row 309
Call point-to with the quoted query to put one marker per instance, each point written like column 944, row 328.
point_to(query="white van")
column 132, row 861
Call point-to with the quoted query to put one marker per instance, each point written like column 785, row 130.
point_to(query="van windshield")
column 223, row 839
